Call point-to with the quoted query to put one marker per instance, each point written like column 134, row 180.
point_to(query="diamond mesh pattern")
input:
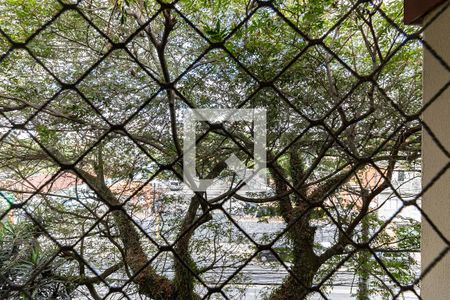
column 93, row 96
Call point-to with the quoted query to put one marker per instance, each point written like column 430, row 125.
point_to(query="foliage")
column 336, row 93
column 24, row 259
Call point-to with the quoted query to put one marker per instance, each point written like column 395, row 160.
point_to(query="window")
column 401, row 176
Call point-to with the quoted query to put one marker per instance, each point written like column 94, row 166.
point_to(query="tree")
column 78, row 105
column 22, row 258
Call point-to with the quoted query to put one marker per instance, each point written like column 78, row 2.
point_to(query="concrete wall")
column 436, row 202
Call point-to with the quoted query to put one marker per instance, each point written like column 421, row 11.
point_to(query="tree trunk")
column 363, row 258
column 305, row 262
column 184, row 279
column 149, row 282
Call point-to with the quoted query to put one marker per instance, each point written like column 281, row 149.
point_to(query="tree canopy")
column 92, row 99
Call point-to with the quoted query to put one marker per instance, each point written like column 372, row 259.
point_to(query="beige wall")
column 436, row 202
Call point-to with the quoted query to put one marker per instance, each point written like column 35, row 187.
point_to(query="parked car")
column 175, row 185
column 267, row 256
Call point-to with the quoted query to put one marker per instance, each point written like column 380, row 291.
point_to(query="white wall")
column 436, row 202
